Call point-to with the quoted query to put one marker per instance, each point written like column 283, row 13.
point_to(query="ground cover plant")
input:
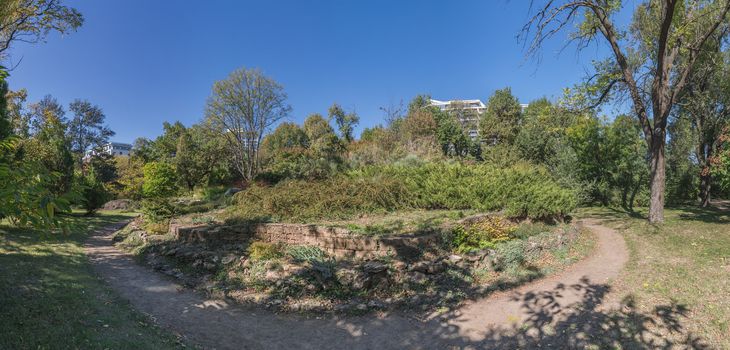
column 50, row 297
column 685, row 264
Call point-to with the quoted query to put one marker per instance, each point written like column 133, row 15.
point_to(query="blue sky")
column 146, row 61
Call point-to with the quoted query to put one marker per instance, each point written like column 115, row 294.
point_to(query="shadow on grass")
column 550, row 323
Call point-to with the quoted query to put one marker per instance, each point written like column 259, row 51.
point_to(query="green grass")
column 685, row 261
column 50, row 297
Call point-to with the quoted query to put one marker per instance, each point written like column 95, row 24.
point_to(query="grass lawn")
column 50, row 297
column 684, row 263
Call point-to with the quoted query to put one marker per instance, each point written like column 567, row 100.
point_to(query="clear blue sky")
column 147, row 61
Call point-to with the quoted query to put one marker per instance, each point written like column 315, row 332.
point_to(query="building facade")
column 111, row 148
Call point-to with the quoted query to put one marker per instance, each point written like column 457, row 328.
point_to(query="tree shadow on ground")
column 712, row 214
column 585, row 324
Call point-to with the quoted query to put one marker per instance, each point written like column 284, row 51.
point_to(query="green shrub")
column 157, row 209
column 259, row 251
column 159, row 180
column 483, row 233
column 522, row 191
column 93, row 192
column 339, row 197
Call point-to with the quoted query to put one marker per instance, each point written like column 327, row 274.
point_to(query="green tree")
column 30, row 21
column 242, row 108
column 49, row 145
column 323, row 142
column 86, row 130
column 652, row 59
column 93, row 192
column 159, row 180
column 346, row 122
column 500, row 123
column 199, row 154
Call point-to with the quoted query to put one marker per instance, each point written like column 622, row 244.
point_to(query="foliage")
column 483, row 233
column 86, row 130
column 156, row 210
column 346, row 122
column 49, row 145
column 93, row 194
column 104, row 166
column 30, row 21
column 500, row 123
column 159, row 180
column 522, row 191
column 242, row 108
column 130, row 178
column 338, row 197
column 259, row 251
column 26, row 196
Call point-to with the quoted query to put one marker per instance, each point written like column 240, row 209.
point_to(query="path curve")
column 214, row 324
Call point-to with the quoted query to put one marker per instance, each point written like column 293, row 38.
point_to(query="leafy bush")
column 259, row 251
column 483, row 233
column 93, row 193
column 340, row 197
column 157, row 209
column 159, row 180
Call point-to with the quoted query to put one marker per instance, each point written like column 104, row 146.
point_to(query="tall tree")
column 49, row 144
column 500, row 123
column 30, row 21
column 707, row 104
column 346, row 122
column 18, row 116
column 652, row 59
column 86, row 130
column 243, row 107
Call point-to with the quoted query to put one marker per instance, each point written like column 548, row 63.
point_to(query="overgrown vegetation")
column 522, row 191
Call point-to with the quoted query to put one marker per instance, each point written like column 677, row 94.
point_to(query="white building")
column 117, row 149
column 112, row 148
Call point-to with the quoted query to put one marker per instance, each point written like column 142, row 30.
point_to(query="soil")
column 491, row 322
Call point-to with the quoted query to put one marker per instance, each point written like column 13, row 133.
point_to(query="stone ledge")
column 337, row 241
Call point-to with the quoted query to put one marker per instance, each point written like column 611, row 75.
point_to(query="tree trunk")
column 657, row 179
column 705, row 187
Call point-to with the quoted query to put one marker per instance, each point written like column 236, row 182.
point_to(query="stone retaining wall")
column 339, row 242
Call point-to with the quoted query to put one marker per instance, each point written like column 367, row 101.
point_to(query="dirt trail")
column 489, row 322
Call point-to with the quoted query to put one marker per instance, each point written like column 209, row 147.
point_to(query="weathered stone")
column 416, row 277
column 436, row 267
column 209, row 266
column 228, row 259
column 421, row 266
column 455, row 258
column 374, row 267
column 375, row 304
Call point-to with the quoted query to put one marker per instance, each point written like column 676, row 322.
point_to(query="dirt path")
column 522, row 317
